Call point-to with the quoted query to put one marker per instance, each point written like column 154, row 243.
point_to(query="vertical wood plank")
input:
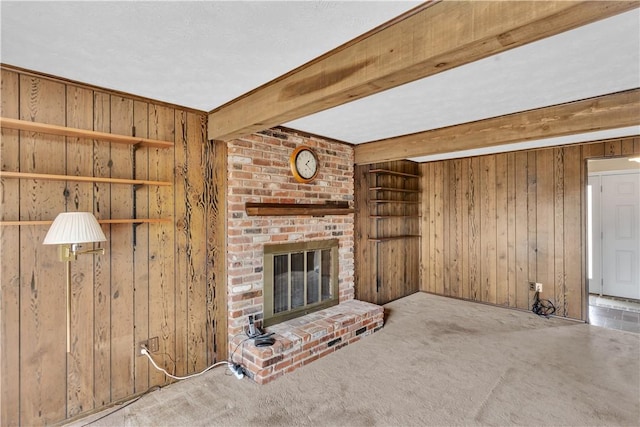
column 121, row 331
column 197, row 247
column 433, row 267
column 42, row 300
column 10, row 259
column 626, row 148
column 183, row 216
column 558, row 231
column 545, row 218
column 512, row 283
column 502, row 266
column 425, row 230
column 446, row 216
column 532, row 220
column 79, row 112
column 455, row 249
column 102, row 266
column 594, row 150
column 438, row 231
column 141, row 249
column 475, row 256
column 574, row 245
column 464, row 215
column 162, row 290
column 522, row 247
column 613, row 148
column 215, row 165
column 488, row 232
column 362, row 279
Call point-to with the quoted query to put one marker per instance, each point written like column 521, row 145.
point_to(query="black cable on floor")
column 542, row 307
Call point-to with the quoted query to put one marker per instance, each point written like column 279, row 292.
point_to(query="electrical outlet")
column 152, row 344
column 538, row 287
column 141, row 345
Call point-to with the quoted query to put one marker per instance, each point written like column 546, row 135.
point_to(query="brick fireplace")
column 258, row 171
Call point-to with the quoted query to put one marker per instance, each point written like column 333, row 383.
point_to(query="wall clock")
column 304, row 164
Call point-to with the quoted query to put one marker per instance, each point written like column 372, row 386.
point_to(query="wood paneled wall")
column 492, row 224
column 168, row 285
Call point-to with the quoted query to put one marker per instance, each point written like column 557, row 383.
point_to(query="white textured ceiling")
column 198, row 54
column 202, row 54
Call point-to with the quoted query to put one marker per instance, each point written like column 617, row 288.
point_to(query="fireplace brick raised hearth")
column 300, row 341
column 259, row 172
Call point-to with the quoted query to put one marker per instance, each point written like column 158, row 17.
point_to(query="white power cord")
column 146, row 353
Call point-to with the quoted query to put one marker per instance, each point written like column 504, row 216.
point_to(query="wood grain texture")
column 42, row 300
column 525, row 216
column 183, row 242
column 215, row 165
column 9, row 259
column 521, row 236
column 502, row 267
column 79, row 160
column 112, row 301
column 121, row 242
column 102, row 280
column 611, row 111
column 512, row 288
column 196, row 249
column 162, row 289
column 573, row 227
column 428, row 41
column 141, row 299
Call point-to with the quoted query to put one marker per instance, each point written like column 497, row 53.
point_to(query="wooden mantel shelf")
column 313, row 209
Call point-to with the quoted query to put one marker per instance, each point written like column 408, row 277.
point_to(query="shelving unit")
column 387, row 230
column 89, row 136
column 395, row 196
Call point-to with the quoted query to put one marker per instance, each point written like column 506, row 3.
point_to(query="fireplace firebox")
column 299, row 278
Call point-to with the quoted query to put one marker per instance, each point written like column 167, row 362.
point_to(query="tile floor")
column 609, row 314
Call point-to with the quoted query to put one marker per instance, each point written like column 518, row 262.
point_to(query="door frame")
column 586, row 175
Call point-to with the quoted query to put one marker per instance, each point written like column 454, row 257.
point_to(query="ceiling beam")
column 430, row 39
column 604, row 112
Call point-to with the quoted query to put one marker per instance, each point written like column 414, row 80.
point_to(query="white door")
column 620, row 241
column 594, row 236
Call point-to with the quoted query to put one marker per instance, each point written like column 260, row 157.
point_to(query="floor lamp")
column 69, row 230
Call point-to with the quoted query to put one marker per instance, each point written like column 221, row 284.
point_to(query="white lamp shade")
column 74, row 227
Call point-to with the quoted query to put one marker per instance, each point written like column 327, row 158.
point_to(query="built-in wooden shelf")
column 399, row 190
column 313, row 209
column 393, row 216
column 390, row 172
column 100, row 221
column 386, row 239
column 405, row 202
column 49, row 177
column 82, row 133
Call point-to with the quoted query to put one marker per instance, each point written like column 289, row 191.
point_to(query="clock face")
column 304, row 164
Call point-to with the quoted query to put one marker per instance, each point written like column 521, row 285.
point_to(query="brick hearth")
column 302, row 340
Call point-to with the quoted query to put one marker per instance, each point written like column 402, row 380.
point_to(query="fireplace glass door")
column 299, row 278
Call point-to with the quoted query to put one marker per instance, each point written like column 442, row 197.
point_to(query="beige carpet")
column 437, row 361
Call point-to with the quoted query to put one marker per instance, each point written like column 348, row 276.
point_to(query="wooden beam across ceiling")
column 427, row 40
column 611, row 111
